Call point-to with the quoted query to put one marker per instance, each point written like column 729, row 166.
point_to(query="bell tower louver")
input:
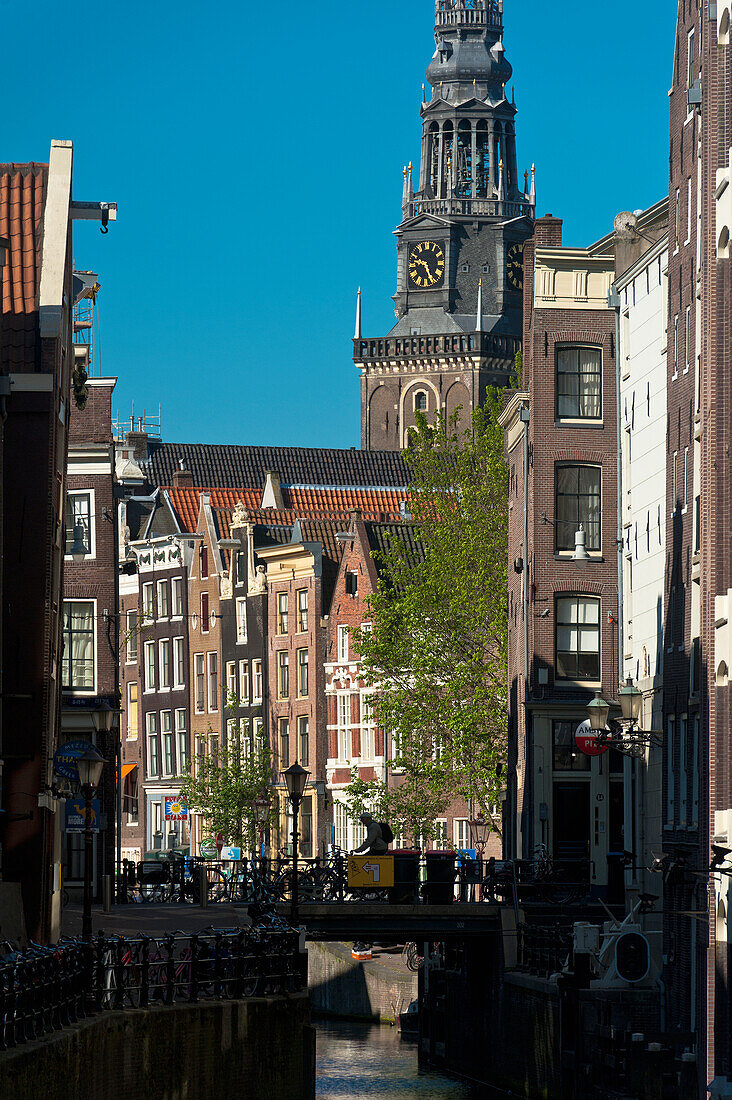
column 465, row 216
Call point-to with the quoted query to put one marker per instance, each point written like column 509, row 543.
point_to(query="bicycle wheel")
column 413, row 957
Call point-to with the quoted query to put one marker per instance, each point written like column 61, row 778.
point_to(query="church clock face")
column 515, row 266
column 426, row 265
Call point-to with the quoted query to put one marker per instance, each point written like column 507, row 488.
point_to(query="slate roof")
column 313, row 501
column 231, row 466
column 381, row 534
column 22, row 199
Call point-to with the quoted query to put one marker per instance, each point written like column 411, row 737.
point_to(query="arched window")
column 447, row 159
column 482, row 158
column 464, row 179
column 433, row 155
column 420, row 401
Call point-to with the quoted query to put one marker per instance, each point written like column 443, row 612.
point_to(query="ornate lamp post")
column 296, row 779
column 261, row 807
column 90, row 767
column 623, row 735
column 480, row 828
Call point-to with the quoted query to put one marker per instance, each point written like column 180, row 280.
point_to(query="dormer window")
column 420, row 401
column 465, row 269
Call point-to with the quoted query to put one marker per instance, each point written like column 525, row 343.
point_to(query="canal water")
column 372, row 1061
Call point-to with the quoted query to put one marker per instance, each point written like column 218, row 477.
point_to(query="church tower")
column 460, row 244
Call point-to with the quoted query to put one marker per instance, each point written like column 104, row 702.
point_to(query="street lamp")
column 630, row 701
column 598, row 711
column 480, row 828
column 296, row 779
column 90, row 767
column 261, row 807
column 622, row 735
column 580, row 556
column 78, row 550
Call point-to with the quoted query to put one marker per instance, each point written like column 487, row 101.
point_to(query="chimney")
column 548, row 232
column 272, row 495
column 182, row 478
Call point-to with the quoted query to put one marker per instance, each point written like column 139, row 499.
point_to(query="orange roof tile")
column 22, row 197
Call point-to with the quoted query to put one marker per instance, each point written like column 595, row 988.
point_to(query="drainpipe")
column 613, row 302
column 4, row 394
column 525, row 420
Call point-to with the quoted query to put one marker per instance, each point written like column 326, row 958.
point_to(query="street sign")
column 207, row 848
column 175, row 810
column 219, row 843
column 64, row 761
column 370, row 872
column 75, row 816
column 586, row 740
column 230, row 853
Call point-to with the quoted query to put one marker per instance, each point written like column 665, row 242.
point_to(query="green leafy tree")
column 222, row 786
column 437, row 652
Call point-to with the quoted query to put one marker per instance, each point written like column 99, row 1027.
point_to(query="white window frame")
column 231, row 683
column 176, row 597
column 257, row 681
column 302, row 611
column 344, row 727
column 440, row 841
column 151, row 719
column 343, row 644
column 163, row 645
column 91, row 556
column 179, row 648
column 199, row 675
column 167, row 740
column 244, row 685
column 241, row 620
column 150, row 648
column 283, row 609
column 303, row 694
column 93, row 689
column 130, row 705
column 212, row 678
column 163, row 587
column 181, row 738
column 132, row 632
column 148, row 602
column 283, row 662
column 368, row 727
column 461, row 834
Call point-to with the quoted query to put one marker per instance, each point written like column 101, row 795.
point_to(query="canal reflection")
column 372, row 1061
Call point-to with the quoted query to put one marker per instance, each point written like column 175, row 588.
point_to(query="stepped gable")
column 22, row 199
column 225, row 466
column 300, row 501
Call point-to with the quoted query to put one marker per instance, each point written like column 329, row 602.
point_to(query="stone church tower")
column 460, row 243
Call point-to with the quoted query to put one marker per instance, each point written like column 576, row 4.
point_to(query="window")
column 420, row 402
column 79, row 511
column 351, row 583
column 163, row 600
column 688, row 210
column 181, row 735
column 200, row 673
column 302, row 673
column 461, row 834
column 678, row 219
column 694, row 764
column 368, row 727
column 691, row 59
column 670, row 774
column 133, row 718
column 213, row 682
column 306, row 827
column 282, row 613
column 686, row 478
column 132, row 649
column 177, row 597
column 148, row 602
column 179, row 662
column 153, row 745
column 675, row 482
column 303, row 739
column 243, row 683
column 166, row 723
column 241, row 621
column 149, row 666
column 257, row 681
column 340, row 829
column 567, row 757
column 205, row 619
column 344, row 726
column 240, row 568
column 284, row 729
column 165, row 664
column 302, row 611
column 688, row 337
column 439, row 839
column 577, row 502
column 131, row 798
column 231, row 684
column 676, row 343
column 578, row 638
column 283, row 674
column 579, row 383
column 203, row 559
column 78, row 645
column 342, row 643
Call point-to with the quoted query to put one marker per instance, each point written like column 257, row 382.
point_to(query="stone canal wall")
column 248, row 1049
column 339, row 986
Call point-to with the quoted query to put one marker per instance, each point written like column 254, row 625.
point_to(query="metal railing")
column 433, row 878
column 45, row 989
column 542, row 949
column 451, row 344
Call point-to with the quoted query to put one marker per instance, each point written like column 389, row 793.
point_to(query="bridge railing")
column 431, row 878
column 45, row 989
column 542, row 949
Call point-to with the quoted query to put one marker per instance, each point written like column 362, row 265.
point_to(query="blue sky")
column 256, row 150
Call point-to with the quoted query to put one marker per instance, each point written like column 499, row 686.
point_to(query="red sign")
column 219, row 842
column 586, row 740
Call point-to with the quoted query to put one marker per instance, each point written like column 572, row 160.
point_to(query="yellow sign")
column 370, row 872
